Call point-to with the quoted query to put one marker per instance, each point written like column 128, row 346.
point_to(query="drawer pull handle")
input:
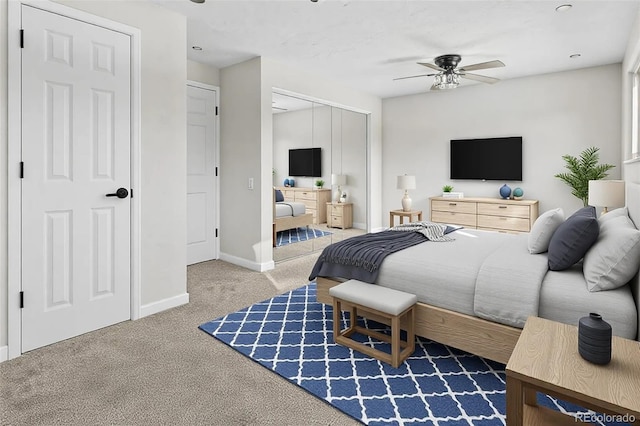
column 502, row 207
column 453, row 204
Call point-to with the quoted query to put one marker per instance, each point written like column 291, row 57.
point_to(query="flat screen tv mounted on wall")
column 487, row 159
column 305, row 162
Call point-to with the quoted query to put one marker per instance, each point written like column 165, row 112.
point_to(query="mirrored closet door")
column 319, row 171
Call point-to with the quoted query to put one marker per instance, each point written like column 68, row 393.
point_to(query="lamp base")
column 337, row 195
column 406, row 202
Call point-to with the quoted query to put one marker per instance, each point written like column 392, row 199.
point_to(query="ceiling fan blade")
column 414, row 76
column 482, row 78
column 432, row 66
column 482, row 66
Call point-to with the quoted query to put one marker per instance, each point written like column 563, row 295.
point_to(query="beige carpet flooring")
column 162, row 370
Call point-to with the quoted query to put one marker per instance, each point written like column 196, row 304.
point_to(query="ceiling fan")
column 448, row 73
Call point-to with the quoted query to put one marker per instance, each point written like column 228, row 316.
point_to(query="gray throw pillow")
column 615, row 257
column 279, row 196
column 542, row 230
column 573, row 238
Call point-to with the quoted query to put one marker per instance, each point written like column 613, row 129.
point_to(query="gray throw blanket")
column 360, row 257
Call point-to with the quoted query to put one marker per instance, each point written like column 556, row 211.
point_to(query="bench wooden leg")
column 336, row 318
column 400, row 349
column 395, row 341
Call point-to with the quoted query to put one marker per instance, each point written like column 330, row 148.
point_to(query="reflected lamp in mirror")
column 406, row 182
column 338, row 180
column 607, row 194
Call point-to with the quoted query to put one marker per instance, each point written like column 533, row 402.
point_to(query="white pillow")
column 543, row 229
column 615, row 257
column 622, row 211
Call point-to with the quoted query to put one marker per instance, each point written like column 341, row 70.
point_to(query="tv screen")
column 487, row 159
column 305, row 162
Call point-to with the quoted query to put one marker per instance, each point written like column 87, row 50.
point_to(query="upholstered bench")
column 387, row 303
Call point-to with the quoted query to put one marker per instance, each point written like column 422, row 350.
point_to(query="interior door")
column 201, row 175
column 76, row 152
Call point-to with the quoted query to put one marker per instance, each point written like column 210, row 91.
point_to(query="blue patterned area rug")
column 295, row 235
column 292, row 335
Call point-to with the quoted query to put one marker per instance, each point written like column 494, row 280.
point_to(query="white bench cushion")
column 392, row 302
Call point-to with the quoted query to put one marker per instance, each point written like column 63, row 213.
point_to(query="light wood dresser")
column 314, row 200
column 340, row 215
column 493, row 214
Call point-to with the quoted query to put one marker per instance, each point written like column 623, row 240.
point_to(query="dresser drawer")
column 306, row 195
column 309, row 204
column 453, row 206
column 454, row 218
column 333, row 210
column 504, row 223
column 510, row 210
column 336, row 221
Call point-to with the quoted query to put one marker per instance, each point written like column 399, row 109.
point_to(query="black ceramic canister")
column 594, row 339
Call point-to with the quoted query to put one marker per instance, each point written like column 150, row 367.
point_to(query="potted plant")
column 319, row 183
column 447, row 188
column 582, row 170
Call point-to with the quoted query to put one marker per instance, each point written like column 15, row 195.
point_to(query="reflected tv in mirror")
column 487, row 159
column 305, row 162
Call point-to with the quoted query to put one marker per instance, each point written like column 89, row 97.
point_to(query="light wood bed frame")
column 288, row 222
column 476, row 335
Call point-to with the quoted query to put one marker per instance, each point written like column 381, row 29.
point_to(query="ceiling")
column 366, row 44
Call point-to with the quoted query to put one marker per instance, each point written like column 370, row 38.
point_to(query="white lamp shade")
column 606, row 193
column 406, row 182
column 338, row 179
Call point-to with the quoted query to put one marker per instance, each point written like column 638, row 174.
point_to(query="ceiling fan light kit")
column 448, row 75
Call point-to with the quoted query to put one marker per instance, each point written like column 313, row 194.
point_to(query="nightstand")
column 546, row 360
column 402, row 214
column 340, row 215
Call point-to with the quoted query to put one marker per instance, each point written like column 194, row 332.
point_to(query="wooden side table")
column 339, row 215
column 402, row 214
column 546, row 360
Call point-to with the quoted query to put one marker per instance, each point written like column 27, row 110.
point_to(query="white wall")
column 241, row 230
column 203, row 73
column 163, row 146
column 292, row 130
column 556, row 114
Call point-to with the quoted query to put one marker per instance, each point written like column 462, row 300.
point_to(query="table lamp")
column 338, row 180
column 406, row 182
column 606, row 194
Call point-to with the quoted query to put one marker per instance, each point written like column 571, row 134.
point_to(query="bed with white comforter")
column 493, row 276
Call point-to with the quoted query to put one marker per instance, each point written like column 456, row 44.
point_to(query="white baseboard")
column 254, row 266
column 163, row 305
column 379, row 229
column 4, row 353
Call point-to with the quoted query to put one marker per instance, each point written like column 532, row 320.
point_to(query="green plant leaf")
column 581, row 170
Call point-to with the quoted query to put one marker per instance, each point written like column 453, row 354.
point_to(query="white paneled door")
column 76, row 155
column 201, row 175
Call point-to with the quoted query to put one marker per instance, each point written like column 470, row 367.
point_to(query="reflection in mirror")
column 315, row 147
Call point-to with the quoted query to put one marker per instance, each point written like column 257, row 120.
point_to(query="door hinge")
column 22, row 39
column 216, row 232
column 216, row 171
column 216, row 110
column 21, row 299
column 22, row 170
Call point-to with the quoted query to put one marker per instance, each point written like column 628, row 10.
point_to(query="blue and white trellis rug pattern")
column 295, row 235
column 292, row 335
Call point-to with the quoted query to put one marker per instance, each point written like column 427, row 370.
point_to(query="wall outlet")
column 250, row 183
